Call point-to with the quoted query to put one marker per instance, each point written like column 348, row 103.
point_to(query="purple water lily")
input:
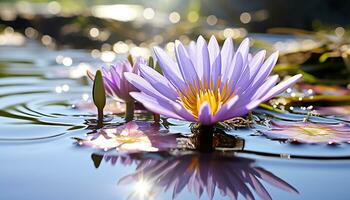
column 200, row 173
column 208, row 84
column 117, row 86
column 115, row 83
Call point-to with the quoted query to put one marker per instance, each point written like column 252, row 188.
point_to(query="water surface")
column 39, row 158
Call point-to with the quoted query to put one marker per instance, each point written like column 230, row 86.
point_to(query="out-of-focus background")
column 304, row 32
column 89, row 23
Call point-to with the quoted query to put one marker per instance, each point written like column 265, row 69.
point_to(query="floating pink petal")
column 131, row 137
column 307, row 132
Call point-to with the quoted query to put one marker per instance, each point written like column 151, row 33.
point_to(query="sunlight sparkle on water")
column 10, row 37
column 108, row 56
column 67, row 61
column 94, row 32
column 140, row 51
column 85, row 96
column 148, row 13
column 212, row 20
column 174, row 17
column 143, row 188
column 118, row 12
column 120, row 47
column 79, row 71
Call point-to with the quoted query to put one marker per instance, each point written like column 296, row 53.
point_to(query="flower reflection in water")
column 131, row 137
column 200, row 173
column 307, row 132
column 112, row 107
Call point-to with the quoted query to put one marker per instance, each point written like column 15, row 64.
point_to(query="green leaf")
column 98, row 91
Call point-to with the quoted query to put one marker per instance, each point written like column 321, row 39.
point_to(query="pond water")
column 45, row 105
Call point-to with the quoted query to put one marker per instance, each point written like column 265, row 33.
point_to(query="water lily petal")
column 243, row 49
column 181, row 111
column 139, row 61
column 269, row 83
column 144, row 86
column 281, row 87
column 205, row 114
column 225, row 112
column 239, row 110
column 234, row 72
column 251, row 70
column 185, row 64
column 265, row 70
column 116, row 75
column 155, row 105
column 191, row 49
column 242, row 82
column 227, row 53
column 159, row 82
column 215, row 59
column 169, row 68
column 110, row 87
column 202, row 59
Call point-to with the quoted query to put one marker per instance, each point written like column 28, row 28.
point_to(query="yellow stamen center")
column 193, row 97
column 315, row 131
